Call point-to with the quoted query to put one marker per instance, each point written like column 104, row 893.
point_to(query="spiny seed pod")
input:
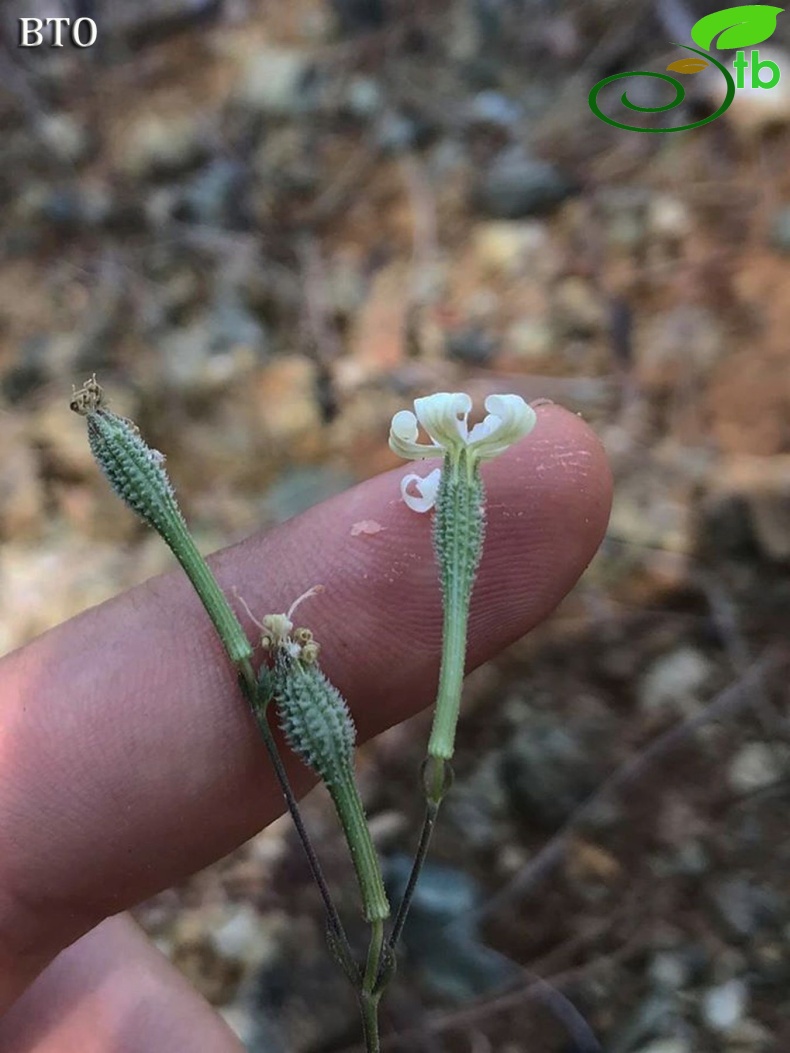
column 459, row 527
column 318, row 727
column 458, row 533
column 314, row 715
column 137, row 475
column 134, row 470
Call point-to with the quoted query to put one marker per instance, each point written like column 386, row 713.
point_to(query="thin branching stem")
column 437, row 777
column 428, row 824
column 249, row 686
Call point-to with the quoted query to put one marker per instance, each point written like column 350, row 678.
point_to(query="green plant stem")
column 451, row 675
column 437, row 779
column 345, row 796
column 370, row 995
column 226, row 623
column 428, row 824
column 369, row 1010
column 375, row 950
column 230, row 631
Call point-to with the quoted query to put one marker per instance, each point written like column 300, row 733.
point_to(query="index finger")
column 127, row 757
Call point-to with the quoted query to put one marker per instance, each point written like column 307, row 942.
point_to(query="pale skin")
column 128, row 760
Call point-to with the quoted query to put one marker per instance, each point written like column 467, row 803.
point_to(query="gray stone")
column 758, row 765
column 216, row 348
column 547, row 773
column 396, row 132
column 494, row 108
column 214, row 196
column 244, row 936
column 669, row 969
column 443, row 944
column 472, row 346
column 276, row 83
column 68, row 205
column 62, row 207
column 516, row 186
column 157, row 146
column 723, row 1007
column 744, row 906
column 363, row 97
column 514, row 248
column 65, row 136
column 530, row 338
column 676, row 681
column 668, row 217
column 690, row 859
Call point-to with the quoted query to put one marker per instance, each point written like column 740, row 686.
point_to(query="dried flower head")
column 88, row 398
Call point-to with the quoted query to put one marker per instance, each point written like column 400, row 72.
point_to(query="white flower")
column 444, row 417
column 427, row 489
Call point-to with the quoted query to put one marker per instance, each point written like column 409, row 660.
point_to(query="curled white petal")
column 403, row 438
column 483, row 430
column 427, row 488
column 509, row 419
column 443, row 416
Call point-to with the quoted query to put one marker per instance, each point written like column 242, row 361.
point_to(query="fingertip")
column 549, row 499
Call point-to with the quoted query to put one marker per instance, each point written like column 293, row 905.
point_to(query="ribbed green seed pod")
column 135, row 472
column 459, row 525
column 314, row 716
column 459, row 529
column 137, row 475
column 318, row 726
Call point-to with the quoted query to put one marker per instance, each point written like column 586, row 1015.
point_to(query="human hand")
column 128, row 759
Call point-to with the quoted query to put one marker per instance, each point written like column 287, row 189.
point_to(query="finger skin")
column 128, row 759
column 112, row 990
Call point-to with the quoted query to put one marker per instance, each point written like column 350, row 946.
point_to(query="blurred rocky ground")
column 266, row 227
